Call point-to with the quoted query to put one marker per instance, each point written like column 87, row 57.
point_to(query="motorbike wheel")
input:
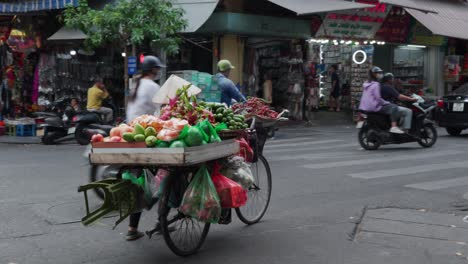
column 428, row 136
column 99, row 173
column 49, row 138
column 453, row 131
column 367, row 143
column 81, row 136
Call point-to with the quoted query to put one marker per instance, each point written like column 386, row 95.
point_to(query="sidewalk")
column 20, row 140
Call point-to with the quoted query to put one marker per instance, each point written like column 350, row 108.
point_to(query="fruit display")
column 225, row 115
column 255, row 107
column 173, row 133
column 186, row 107
column 187, row 122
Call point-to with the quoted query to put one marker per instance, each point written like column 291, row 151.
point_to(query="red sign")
column 396, row 27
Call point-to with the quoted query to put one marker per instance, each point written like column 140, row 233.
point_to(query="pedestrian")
column 227, row 87
column 96, row 96
column 335, row 93
column 141, row 98
column 75, row 105
column 141, row 103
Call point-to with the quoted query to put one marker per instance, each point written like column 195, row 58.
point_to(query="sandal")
column 133, row 235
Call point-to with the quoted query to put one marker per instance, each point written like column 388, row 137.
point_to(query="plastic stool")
column 26, row 130
column 11, row 130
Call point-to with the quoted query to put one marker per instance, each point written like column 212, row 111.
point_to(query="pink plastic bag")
column 231, row 194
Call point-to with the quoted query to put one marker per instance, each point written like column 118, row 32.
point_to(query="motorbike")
column 92, row 123
column 58, row 123
column 374, row 128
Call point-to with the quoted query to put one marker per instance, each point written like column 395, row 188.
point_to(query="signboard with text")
column 355, row 24
column 132, row 65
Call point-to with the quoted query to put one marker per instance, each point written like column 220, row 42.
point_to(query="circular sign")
column 359, row 60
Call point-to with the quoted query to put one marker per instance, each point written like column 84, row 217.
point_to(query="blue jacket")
column 228, row 90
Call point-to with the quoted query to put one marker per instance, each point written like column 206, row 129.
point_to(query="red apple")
column 97, row 138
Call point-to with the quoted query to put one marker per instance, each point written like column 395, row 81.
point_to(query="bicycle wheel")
column 183, row 235
column 258, row 195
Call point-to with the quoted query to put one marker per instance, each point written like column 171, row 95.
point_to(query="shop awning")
column 197, row 12
column 413, row 4
column 451, row 19
column 446, row 18
column 24, row 6
column 68, row 34
column 304, row 7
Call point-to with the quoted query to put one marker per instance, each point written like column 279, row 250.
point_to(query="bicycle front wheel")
column 184, row 235
column 259, row 193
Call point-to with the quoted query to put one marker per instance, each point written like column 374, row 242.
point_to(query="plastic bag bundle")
column 159, row 178
column 201, row 200
column 246, row 152
column 145, row 181
column 236, row 169
column 231, row 194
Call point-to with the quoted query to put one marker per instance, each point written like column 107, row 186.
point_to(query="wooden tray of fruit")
column 163, row 156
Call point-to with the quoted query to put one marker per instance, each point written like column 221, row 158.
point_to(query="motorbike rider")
column 96, row 96
column 390, row 94
column 372, row 101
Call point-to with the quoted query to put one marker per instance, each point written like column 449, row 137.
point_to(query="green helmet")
column 224, row 65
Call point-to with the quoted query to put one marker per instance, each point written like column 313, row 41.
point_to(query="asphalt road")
column 324, row 185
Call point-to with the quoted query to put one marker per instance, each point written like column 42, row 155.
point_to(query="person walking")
column 141, row 98
column 96, row 95
column 141, row 103
column 227, row 87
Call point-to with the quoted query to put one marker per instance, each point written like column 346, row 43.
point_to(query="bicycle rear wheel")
column 183, row 235
column 259, row 193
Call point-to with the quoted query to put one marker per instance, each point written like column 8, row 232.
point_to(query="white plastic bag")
column 236, row 169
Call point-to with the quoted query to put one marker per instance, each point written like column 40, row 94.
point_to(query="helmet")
column 151, row 62
column 387, row 77
column 376, row 69
column 224, row 65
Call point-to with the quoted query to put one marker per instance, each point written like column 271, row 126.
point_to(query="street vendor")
column 228, row 89
column 141, row 103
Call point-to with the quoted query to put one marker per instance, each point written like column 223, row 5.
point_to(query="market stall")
column 199, row 160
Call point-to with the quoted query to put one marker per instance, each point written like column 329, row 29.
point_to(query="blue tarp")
column 24, row 6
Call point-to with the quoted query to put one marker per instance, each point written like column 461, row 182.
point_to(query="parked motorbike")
column 91, row 123
column 58, row 124
column 374, row 128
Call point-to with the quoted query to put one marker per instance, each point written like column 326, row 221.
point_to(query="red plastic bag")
column 246, row 151
column 231, row 194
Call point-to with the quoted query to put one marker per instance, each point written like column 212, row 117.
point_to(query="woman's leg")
column 133, row 233
column 134, row 221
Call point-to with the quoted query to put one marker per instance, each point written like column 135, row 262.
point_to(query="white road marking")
column 409, row 170
column 437, row 185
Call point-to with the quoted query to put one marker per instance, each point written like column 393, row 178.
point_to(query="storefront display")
column 409, row 68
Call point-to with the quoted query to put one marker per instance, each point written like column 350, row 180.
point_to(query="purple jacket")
column 371, row 100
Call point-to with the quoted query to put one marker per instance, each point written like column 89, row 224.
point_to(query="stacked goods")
column 255, row 107
column 186, row 107
column 227, row 116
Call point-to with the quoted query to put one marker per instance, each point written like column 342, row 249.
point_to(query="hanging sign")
column 132, row 65
column 396, row 27
column 360, row 24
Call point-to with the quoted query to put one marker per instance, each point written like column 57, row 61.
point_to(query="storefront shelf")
column 402, row 67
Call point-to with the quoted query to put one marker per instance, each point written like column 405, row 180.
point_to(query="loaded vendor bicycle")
column 183, row 231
